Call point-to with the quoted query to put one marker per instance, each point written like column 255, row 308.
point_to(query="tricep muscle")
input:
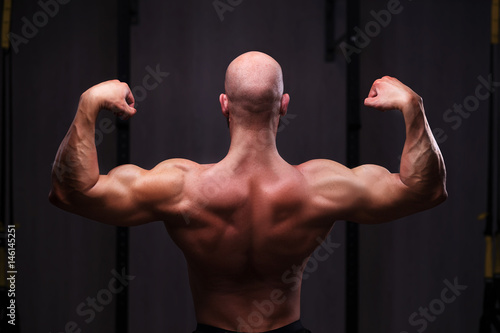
column 130, row 195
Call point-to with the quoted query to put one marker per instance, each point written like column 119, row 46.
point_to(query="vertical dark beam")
column 353, row 128
column 123, row 157
column 7, row 167
column 491, row 280
column 6, row 187
column 495, row 41
column 330, row 30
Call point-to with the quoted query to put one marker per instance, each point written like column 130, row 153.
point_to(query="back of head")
column 254, row 83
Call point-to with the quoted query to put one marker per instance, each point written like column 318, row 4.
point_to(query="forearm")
column 422, row 166
column 76, row 167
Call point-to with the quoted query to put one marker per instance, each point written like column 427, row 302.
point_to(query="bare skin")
column 245, row 221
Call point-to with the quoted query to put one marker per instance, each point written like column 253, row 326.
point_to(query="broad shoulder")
column 179, row 164
column 176, row 165
column 331, row 180
column 323, row 167
column 166, row 179
column 173, row 173
column 168, row 183
column 327, row 175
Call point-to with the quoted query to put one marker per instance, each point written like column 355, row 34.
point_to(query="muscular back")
column 245, row 222
column 241, row 227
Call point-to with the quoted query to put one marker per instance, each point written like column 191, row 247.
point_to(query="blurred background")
column 440, row 49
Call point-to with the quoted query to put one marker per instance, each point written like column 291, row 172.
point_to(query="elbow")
column 61, row 195
column 441, row 196
column 431, row 197
column 438, row 196
column 444, row 193
column 55, row 198
column 59, row 199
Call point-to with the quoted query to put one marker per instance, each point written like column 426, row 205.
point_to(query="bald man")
column 244, row 222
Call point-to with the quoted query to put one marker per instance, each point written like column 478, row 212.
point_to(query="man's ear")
column 224, row 105
column 285, row 100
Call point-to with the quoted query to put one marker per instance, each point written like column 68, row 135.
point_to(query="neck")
column 256, row 143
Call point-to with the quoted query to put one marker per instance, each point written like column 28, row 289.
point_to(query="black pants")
column 292, row 328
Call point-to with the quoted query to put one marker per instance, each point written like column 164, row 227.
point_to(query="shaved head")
column 254, row 83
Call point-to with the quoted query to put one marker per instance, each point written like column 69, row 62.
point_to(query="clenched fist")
column 389, row 93
column 114, row 96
